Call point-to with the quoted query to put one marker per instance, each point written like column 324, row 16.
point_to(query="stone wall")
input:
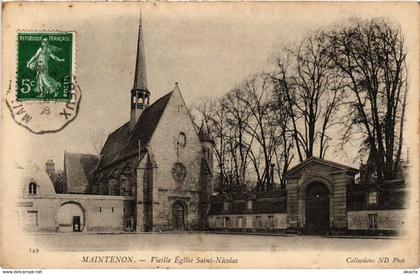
column 249, row 221
column 386, row 219
column 334, row 178
column 101, row 213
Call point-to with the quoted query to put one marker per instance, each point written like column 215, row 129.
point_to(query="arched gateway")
column 317, row 209
column 317, row 196
column 70, row 217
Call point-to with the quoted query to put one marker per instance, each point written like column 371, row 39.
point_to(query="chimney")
column 50, row 167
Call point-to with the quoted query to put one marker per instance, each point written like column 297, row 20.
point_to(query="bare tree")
column 215, row 119
column 238, row 116
column 371, row 55
column 262, row 127
column 251, row 135
column 283, row 155
column 312, row 91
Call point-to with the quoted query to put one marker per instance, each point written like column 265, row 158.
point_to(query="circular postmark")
column 42, row 117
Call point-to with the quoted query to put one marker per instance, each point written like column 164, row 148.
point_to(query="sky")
column 206, row 48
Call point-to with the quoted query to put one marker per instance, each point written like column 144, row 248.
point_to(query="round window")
column 179, row 172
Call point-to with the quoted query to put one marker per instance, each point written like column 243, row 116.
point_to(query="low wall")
column 387, row 220
column 249, row 222
column 101, row 213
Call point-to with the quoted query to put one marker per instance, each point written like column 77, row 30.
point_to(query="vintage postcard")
column 210, row 135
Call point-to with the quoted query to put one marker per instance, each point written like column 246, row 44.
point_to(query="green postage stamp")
column 44, row 96
column 44, row 69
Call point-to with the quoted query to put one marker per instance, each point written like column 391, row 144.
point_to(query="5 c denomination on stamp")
column 44, row 97
column 45, row 66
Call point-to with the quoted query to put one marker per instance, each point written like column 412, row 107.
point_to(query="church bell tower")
column 140, row 95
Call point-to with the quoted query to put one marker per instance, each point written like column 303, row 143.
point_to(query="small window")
column 372, row 221
column 271, row 221
column 129, row 225
column 112, row 209
column 357, row 178
column 241, row 223
column 182, row 139
column 374, row 174
column 123, row 209
column 258, row 220
column 226, row 205
column 373, row 197
column 218, row 222
column 32, row 217
column 100, row 209
column 32, row 188
column 249, row 204
column 227, row 222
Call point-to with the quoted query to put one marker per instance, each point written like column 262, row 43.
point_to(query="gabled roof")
column 39, row 176
column 123, row 142
column 79, row 170
column 263, row 203
column 259, row 206
column 313, row 159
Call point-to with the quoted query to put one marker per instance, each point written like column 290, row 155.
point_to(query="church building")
column 154, row 173
column 159, row 158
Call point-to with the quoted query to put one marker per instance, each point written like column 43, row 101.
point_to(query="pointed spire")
column 140, row 79
column 140, row 95
column 204, row 132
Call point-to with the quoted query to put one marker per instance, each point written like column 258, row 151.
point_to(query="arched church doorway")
column 70, row 217
column 317, row 209
column 178, row 215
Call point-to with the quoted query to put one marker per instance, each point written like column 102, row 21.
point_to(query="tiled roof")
column 79, row 170
column 123, row 142
column 274, row 204
column 249, row 195
column 392, row 195
column 216, row 208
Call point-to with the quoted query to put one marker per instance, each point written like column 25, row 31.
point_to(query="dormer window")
column 182, row 139
column 226, row 205
column 374, row 174
column 373, row 197
column 32, row 188
column 357, row 178
column 249, row 204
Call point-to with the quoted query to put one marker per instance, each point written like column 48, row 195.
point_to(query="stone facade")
column 387, row 221
column 165, row 150
column 248, row 222
column 333, row 176
column 97, row 213
column 42, row 209
column 249, row 212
